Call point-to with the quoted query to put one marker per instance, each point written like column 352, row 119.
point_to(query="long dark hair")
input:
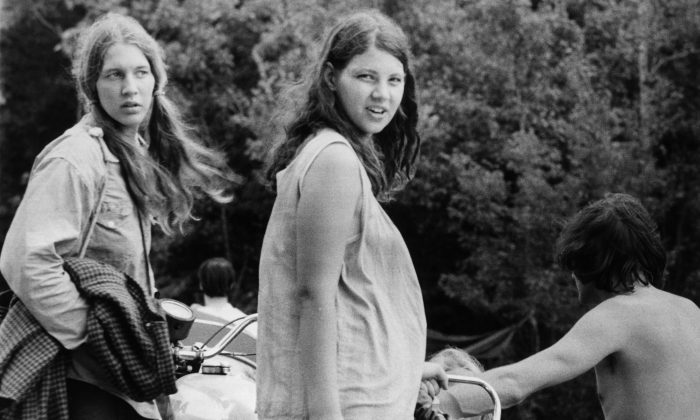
column 389, row 160
column 613, row 243
column 164, row 181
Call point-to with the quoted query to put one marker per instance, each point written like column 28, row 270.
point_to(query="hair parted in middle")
column 614, row 243
column 312, row 105
column 163, row 181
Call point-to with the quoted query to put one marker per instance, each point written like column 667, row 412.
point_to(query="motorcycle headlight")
column 180, row 318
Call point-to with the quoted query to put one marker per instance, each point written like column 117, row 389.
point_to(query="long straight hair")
column 390, row 157
column 164, row 181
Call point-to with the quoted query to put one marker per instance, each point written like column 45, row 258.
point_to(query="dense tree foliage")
column 529, row 110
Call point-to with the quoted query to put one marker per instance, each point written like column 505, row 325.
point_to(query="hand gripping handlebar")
column 488, row 388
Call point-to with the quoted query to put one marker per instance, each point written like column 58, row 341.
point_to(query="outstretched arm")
column 596, row 335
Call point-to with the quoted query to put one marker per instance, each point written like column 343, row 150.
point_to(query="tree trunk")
column 227, row 242
column 644, row 32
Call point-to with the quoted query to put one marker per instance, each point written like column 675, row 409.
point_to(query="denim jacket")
column 51, row 223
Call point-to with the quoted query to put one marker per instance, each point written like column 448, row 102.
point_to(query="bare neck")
column 215, row 300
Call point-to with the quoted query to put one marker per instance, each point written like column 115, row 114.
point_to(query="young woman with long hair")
column 342, row 327
column 95, row 192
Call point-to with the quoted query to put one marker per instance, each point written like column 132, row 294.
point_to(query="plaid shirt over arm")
column 33, row 369
column 127, row 334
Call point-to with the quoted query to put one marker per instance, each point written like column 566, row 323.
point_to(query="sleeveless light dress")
column 381, row 320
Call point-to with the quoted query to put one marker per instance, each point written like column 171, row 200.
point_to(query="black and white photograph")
column 349, row 209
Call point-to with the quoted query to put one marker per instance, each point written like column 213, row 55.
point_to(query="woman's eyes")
column 394, row 80
column 116, row 75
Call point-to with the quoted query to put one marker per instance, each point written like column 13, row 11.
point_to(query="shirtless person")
column 644, row 343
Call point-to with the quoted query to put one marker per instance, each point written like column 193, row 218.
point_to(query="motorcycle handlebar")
column 485, row 385
column 190, row 353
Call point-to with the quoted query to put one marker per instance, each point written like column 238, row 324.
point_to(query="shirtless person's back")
column 656, row 372
column 644, row 343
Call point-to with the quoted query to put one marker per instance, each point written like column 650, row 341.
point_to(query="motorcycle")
column 214, row 365
column 217, row 382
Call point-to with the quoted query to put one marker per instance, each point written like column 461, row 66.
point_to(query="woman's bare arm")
column 329, row 196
